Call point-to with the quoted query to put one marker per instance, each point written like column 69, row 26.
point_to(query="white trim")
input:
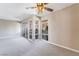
column 74, row 50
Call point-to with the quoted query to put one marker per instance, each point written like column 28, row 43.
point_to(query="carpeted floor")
column 19, row 46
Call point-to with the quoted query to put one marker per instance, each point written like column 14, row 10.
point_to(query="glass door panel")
column 30, row 29
column 36, row 29
column 45, row 29
column 26, row 30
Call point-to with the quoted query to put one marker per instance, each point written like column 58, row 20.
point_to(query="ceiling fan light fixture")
column 40, row 7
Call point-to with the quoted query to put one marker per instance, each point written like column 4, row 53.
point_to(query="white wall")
column 64, row 27
column 9, row 27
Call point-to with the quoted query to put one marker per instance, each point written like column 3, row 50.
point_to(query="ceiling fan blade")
column 30, row 7
column 42, row 3
column 48, row 9
column 45, row 3
column 19, row 21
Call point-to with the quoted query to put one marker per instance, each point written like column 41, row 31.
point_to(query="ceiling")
column 18, row 11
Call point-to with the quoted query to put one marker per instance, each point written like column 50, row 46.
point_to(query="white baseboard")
column 77, row 51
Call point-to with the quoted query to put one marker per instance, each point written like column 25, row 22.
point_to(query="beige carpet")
column 19, row 46
column 42, row 48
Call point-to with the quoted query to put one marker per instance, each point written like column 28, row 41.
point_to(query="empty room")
column 39, row 29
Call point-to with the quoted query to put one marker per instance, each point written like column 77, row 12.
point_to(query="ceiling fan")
column 41, row 7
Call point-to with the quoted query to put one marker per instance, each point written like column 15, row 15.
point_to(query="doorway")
column 35, row 29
